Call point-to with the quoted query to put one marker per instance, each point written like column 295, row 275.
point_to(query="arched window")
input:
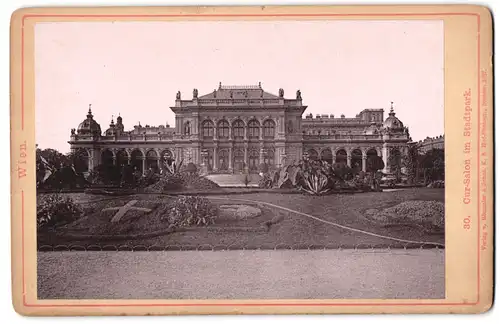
column 239, row 160
column 223, row 129
column 238, row 129
column 326, row 155
column 269, row 129
column 269, row 157
column 207, row 129
column 341, row 156
column 136, row 160
column 152, row 161
column 312, row 154
column 121, row 158
column 223, row 160
column 253, row 160
column 253, row 129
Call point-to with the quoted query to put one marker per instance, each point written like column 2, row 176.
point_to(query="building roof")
column 239, row 92
column 89, row 125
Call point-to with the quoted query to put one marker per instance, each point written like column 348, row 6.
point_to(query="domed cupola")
column 112, row 128
column 89, row 126
column 392, row 122
column 119, row 124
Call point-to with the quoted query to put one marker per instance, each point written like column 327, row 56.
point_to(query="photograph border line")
column 24, row 17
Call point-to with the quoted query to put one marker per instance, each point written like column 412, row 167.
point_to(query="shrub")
column 191, row 168
column 264, row 168
column 194, row 181
column 265, row 181
column 190, row 211
column 54, row 210
column 149, row 179
column 166, row 182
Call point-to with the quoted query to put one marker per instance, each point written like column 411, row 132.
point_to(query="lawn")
column 274, row 228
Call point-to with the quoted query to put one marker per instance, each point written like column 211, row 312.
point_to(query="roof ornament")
column 195, row 93
column 215, row 93
column 281, row 92
column 220, row 84
column 299, row 95
column 260, row 85
column 89, row 114
column 178, row 95
column 392, row 113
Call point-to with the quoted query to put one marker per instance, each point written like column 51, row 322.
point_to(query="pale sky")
column 136, row 68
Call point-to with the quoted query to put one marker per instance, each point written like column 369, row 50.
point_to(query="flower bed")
column 178, row 182
column 427, row 214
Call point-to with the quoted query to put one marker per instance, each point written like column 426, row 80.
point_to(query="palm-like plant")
column 171, row 167
column 316, row 177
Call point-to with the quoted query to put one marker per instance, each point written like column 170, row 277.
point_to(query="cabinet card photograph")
column 252, row 160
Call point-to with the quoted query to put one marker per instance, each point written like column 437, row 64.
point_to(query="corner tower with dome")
column 234, row 129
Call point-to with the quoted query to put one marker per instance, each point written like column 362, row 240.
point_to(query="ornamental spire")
column 89, row 114
column 392, row 113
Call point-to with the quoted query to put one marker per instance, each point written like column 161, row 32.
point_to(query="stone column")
column 261, row 154
column 261, row 132
column 245, row 157
column 334, row 156
column 349, row 159
column 385, row 157
column 230, row 167
column 90, row 162
column 143, row 165
column 215, row 159
column 364, row 157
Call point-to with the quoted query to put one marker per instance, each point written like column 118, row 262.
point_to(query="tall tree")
column 410, row 163
column 433, row 164
column 394, row 163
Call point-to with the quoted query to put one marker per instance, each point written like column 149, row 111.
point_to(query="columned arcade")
column 236, row 129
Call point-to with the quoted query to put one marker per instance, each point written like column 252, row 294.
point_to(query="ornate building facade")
column 237, row 128
column 430, row 143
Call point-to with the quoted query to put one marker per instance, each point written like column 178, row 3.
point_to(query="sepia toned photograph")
column 240, row 160
column 251, row 160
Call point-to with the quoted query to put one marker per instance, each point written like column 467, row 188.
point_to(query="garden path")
column 257, row 274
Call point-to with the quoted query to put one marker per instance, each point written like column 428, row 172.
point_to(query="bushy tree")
column 374, row 163
column 54, row 210
column 410, row 163
column 395, row 163
column 433, row 164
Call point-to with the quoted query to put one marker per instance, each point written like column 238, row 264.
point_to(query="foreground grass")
column 289, row 230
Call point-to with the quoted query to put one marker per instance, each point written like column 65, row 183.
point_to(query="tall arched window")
column 239, row 160
column 238, row 129
column 269, row 128
column 223, row 129
column 312, row 154
column 207, row 129
column 223, row 160
column 253, row 129
column 269, row 157
column 253, row 160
